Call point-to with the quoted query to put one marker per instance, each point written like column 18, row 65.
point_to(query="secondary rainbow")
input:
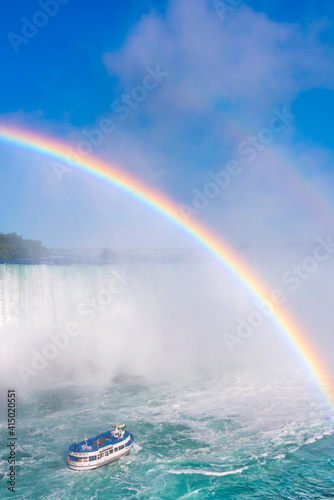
column 156, row 200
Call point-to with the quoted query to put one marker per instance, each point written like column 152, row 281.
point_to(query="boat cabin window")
column 78, row 459
column 121, row 447
column 115, row 449
column 92, row 458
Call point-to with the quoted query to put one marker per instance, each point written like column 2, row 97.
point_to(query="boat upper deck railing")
column 99, row 441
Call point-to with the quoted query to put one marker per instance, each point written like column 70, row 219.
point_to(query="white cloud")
column 247, row 59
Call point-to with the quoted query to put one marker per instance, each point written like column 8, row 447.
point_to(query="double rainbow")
column 157, row 201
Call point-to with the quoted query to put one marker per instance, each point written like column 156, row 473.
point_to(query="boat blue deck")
column 97, row 442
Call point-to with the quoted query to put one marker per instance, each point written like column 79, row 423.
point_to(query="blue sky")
column 226, row 73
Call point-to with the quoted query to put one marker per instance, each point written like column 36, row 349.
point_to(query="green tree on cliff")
column 13, row 246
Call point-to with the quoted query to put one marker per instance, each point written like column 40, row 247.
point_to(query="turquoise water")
column 240, row 436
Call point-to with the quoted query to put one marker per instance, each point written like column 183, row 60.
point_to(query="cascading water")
column 90, row 321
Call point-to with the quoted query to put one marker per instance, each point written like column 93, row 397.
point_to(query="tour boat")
column 100, row 450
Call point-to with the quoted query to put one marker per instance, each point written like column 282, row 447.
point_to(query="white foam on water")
column 192, row 494
column 207, row 473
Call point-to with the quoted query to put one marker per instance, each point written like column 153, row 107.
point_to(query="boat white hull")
column 79, row 466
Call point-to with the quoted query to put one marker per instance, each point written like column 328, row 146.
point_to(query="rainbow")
column 157, row 201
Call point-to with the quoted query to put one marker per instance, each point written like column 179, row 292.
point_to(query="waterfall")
column 86, row 323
